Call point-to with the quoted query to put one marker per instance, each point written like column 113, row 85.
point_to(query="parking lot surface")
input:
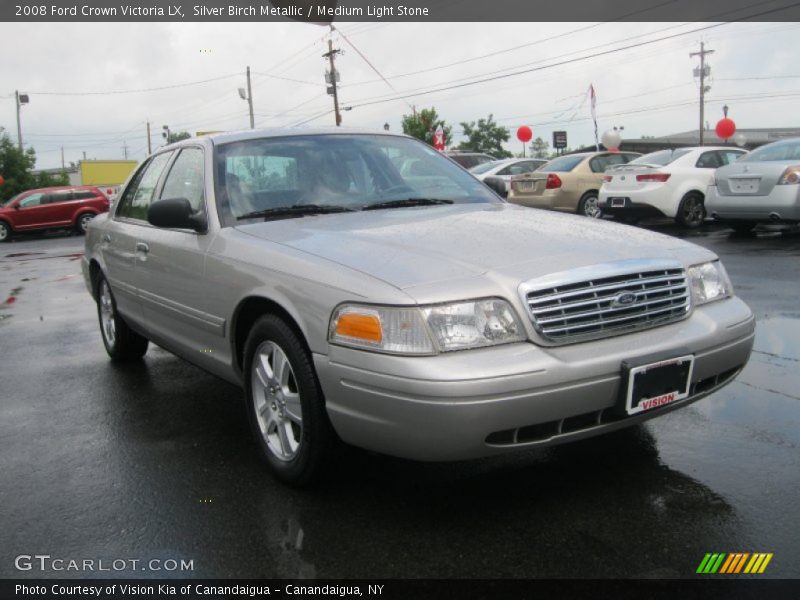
column 154, row 460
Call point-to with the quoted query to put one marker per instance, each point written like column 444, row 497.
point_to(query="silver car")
column 414, row 315
column 762, row 187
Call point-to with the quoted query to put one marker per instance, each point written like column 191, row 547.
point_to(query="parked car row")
column 51, row 208
column 685, row 184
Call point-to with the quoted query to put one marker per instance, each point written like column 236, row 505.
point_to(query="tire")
column 5, row 232
column 742, row 227
column 588, row 206
column 691, row 211
column 285, row 405
column 122, row 343
column 82, row 222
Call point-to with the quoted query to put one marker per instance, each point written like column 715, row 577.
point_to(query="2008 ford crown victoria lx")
column 363, row 287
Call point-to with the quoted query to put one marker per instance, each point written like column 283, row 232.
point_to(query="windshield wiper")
column 299, row 210
column 406, row 202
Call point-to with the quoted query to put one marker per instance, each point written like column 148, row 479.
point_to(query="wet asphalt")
column 154, row 460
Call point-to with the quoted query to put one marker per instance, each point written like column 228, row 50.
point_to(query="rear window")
column 487, row 166
column 777, row 151
column 562, row 164
column 661, row 158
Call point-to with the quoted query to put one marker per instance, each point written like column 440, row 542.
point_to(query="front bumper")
column 782, row 204
column 477, row 403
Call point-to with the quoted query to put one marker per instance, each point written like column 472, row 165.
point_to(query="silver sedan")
column 762, row 187
column 410, row 312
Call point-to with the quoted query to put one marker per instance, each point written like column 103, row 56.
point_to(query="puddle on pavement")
column 18, row 254
column 12, row 297
column 778, row 336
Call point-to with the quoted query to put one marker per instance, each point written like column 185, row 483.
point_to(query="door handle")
column 142, row 247
column 106, row 238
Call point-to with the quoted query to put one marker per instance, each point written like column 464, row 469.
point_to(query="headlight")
column 426, row 329
column 709, row 282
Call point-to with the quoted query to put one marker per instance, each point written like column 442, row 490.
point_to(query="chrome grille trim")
column 570, row 307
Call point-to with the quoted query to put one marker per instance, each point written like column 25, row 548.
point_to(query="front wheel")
column 5, row 232
column 285, row 404
column 589, row 206
column 691, row 212
column 122, row 343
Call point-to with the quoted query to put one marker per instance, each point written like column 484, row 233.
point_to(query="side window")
column 82, row 195
column 56, row 197
column 185, row 178
column 600, row 163
column 729, row 156
column 32, row 200
column 139, row 193
column 708, row 160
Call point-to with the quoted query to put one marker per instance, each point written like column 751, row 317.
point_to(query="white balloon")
column 611, row 139
column 740, row 139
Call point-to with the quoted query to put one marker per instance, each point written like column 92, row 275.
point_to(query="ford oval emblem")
column 624, row 299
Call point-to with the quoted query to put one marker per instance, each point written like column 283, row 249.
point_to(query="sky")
column 74, row 71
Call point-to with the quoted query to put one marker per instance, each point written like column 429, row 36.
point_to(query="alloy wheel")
column 276, row 399
column 107, row 319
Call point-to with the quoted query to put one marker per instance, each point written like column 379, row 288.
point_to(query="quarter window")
column 185, row 179
column 708, row 160
column 139, row 193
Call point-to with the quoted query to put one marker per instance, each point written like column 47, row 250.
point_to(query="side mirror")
column 176, row 213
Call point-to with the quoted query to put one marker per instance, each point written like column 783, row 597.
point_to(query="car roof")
column 278, row 132
column 60, row 188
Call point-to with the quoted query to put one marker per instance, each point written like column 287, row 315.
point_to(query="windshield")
column 336, row 170
column 660, row 158
column 10, row 200
column 483, row 167
column 778, row 151
column 562, row 164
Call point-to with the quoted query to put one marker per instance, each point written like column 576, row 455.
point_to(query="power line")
column 358, row 104
column 137, row 91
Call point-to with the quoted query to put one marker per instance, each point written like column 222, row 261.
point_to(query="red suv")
column 49, row 208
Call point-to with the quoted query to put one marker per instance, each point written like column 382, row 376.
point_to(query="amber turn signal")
column 362, row 327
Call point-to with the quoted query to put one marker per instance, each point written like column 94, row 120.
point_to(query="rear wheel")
column 742, row 227
column 692, row 211
column 589, row 206
column 82, row 223
column 285, row 404
column 5, row 232
column 122, row 343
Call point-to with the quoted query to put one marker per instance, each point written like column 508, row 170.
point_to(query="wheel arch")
column 95, row 271
column 82, row 211
column 247, row 312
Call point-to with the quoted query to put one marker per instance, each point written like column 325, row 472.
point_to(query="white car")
column 497, row 174
column 668, row 183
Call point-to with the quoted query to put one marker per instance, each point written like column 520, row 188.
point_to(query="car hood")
column 410, row 247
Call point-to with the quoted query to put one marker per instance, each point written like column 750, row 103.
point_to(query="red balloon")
column 725, row 128
column 524, row 134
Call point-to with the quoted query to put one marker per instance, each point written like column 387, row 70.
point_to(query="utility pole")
column 62, row 157
column 149, row 149
column 125, row 149
column 703, row 71
column 250, row 99
column 333, row 77
column 20, row 99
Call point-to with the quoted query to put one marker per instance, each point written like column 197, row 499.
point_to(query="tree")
column 178, row 136
column 486, row 136
column 422, row 125
column 539, row 148
column 16, row 167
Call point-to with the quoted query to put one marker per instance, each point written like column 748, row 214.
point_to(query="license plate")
column 744, row 186
column 658, row 384
column 617, row 202
column 526, row 186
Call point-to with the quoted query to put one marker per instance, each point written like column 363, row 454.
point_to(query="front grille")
column 591, row 309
